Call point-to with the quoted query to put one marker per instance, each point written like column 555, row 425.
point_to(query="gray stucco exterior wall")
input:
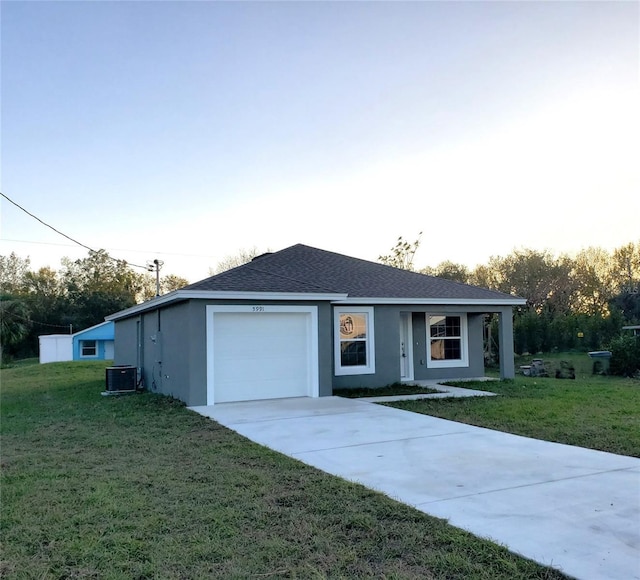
column 169, row 346
column 169, row 339
column 158, row 344
column 325, row 348
column 125, row 342
column 387, row 347
column 475, row 367
column 387, row 352
column 172, row 356
column 505, row 338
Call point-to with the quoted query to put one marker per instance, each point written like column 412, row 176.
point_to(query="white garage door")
column 261, row 352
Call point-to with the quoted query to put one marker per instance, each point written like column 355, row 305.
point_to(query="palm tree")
column 14, row 321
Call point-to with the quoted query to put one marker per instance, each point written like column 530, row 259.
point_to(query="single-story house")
column 94, row 343
column 634, row 328
column 303, row 321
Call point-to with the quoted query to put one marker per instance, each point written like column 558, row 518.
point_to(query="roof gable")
column 102, row 331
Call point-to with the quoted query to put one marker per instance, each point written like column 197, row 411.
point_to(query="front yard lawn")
column 140, row 487
column 598, row 412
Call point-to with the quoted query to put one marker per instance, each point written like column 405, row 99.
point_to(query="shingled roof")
column 303, row 269
column 300, row 271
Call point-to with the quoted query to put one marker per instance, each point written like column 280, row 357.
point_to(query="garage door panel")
column 282, row 369
column 261, row 356
column 246, row 390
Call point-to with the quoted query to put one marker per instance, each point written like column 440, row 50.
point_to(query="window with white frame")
column 447, row 340
column 354, row 344
column 88, row 348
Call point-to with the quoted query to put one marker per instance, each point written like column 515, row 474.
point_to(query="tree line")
column 78, row 296
column 573, row 302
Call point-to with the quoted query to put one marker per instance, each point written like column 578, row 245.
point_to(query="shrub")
column 625, row 356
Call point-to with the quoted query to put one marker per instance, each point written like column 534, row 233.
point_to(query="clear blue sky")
column 185, row 131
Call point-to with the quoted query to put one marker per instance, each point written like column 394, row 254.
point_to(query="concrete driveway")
column 575, row 509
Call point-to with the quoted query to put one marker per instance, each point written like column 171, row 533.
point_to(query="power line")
column 44, row 223
column 112, row 249
column 65, row 235
column 17, row 316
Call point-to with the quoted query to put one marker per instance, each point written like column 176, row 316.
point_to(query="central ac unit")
column 121, row 379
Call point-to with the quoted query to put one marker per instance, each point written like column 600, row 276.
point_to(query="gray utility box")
column 121, row 378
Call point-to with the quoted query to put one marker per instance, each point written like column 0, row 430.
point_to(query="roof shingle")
column 302, row 269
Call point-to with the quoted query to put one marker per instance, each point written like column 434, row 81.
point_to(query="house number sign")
column 257, row 309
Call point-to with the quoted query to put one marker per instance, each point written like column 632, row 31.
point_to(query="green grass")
column 598, row 412
column 581, row 361
column 139, row 487
column 389, row 390
column 18, row 363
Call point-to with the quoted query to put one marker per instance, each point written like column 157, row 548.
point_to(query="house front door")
column 406, row 350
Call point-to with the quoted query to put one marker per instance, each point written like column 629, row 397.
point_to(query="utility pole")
column 155, row 266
